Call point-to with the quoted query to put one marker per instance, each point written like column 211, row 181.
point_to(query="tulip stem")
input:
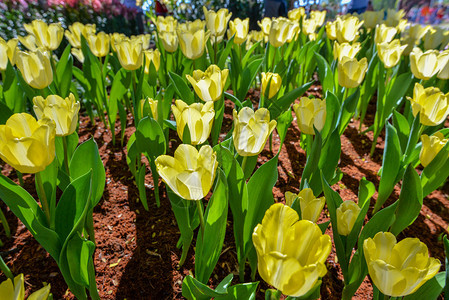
column 245, row 158
column 5, row 269
column 66, row 156
column 43, row 197
column 20, row 176
column 5, row 224
column 199, row 205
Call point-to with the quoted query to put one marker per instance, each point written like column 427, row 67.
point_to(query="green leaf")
column 150, row 138
column 64, row 72
column 241, row 291
column 282, row 104
column 436, row 172
column 193, row 289
column 224, row 284
column 313, row 158
column 140, row 178
column 49, row 181
column 403, row 129
column 208, row 247
column 30, row 214
column 283, row 123
column 446, row 252
column 347, row 111
column 85, row 158
column 5, row 113
column 325, row 73
column 79, row 251
column 390, row 165
column 181, row 88
column 429, row 290
column 332, row 112
column 72, row 142
column 119, row 89
column 13, row 88
column 223, row 56
column 234, row 99
column 247, row 77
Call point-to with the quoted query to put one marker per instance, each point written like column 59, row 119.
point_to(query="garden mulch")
column 136, row 255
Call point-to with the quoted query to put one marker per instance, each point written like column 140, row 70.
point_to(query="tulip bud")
column 27, row 145
column 390, row 53
column 431, row 146
column 424, row 65
column 197, row 117
column 431, row 104
column 8, row 50
column 331, row 30
column 318, row 16
column 251, row 130
column 279, row 32
column 190, row 173
column 192, row 43
column 99, row 44
column 47, row 36
column 345, row 49
column 296, row 14
column 209, row 85
column 309, row 26
column 265, row 26
column 35, row 68
column 372, row 18
column 169, row 40
column 291, row 253
column 239, row 29
column 64, row 112
column 310, row 113
column 153, row 107
column 275, row 81
column 217, row 22
column 311, row 206
column 347, row 214
column 384, row 34
column 145, row 38
column 130, row 54
column 152, row 56
column 351, row 72
column 398, row 269
column 443, row 63
column 166, row 24
column 348, row 29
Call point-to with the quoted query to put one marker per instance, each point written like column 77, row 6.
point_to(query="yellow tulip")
column 47, row 36
column 166, row 24
column 275, row 81
column 217, row 22
column 64, row 112
column 291, row 253
column 347, row 214
column 402, row 25
column 153, row 107
column 394, row 17
column 296, row 14
column 310, row 113
column 209, row 85
column 28, row 42
column 192, row 43
column 384, row 34
column 169, row 40
column 16, row 290
column 99, row 44
column 279, row 32
column 130, row 54
column 430, row 147
column 424, row 65
column 433, row 38
column 197, row 117
column 190, row 173
column 265, row 26
column 76, row 30
column 311, row 206
column 192, row 25
column 351, row 72
column 309, row 26
column 35, row 68
column 8, row 51
column 348, row 29
column 26, row 144
column 331, row 30
column 78, row 53
column 417, row 31
column 256, row 36
column 145, row 38
column 443, row 62
column 117, row 38
column 239, row 29
column 390, row 53
column 346, row 49
column 372, row 18
column 152, row 56
column 398, row 269
column 318, row 16
column 431, row 104
column 251, row 130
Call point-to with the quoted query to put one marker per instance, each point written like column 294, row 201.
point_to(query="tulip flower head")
column 189, row 173
column 197, row 117
column 417, row 31
column 384, row 34
column 310, row 113
column 351, row 72
column 431, row 146
column 347, row 214
column 78, row 53
column 8, row 51
column 35, row 68
column 431, row 104
column 318, row 16
column 296, row 14
column 251, row 130
column 76, row 30
column 265, row 26
column 239, row 29
column 169, row 40
column 331, row 30
column 346, row 49
column 279, row 32
column 217, row 22
column 47, row 36
column 64, row 112
column 209, row 85
column 192, row 42
column 116, row 38
column 398, row 269
column 166, row 24
column 99, row 44
column 390, row 53
column 291, row 253
column 26, row 144
column 153, row 107
column 16, row 290
column 152, row 56
column 348, row 29
column 274, row 80
column 443, row 63
column 424, row 65
column 311, row 206
column 28, row 42
column 130, row 54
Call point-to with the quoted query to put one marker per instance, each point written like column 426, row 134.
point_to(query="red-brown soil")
column 136, row 255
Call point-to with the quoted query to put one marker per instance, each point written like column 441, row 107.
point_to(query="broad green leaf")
column 119, row 88
column 49, row 181
column 325, row 73
column 64, row 72
column 5, row 113
column 247, row 77
column 347, row 111
column 79, row 251
column 181, row 88
column 436, row 172
column 193, row 289
column 313, row 158
column 150, row 138
column 283, row 123
column 140, row 178
column 72, row 143
column 241, row 291
column 429, row 290
column 402, row 128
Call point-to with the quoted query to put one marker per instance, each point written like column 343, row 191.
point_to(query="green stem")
column 245, row 158
column 201, row 214
column 274, row 58
column 66, row 156
column 5, row 224
column 6, row 270
column 215, row 51
column 43, row 197
column 20, row 176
